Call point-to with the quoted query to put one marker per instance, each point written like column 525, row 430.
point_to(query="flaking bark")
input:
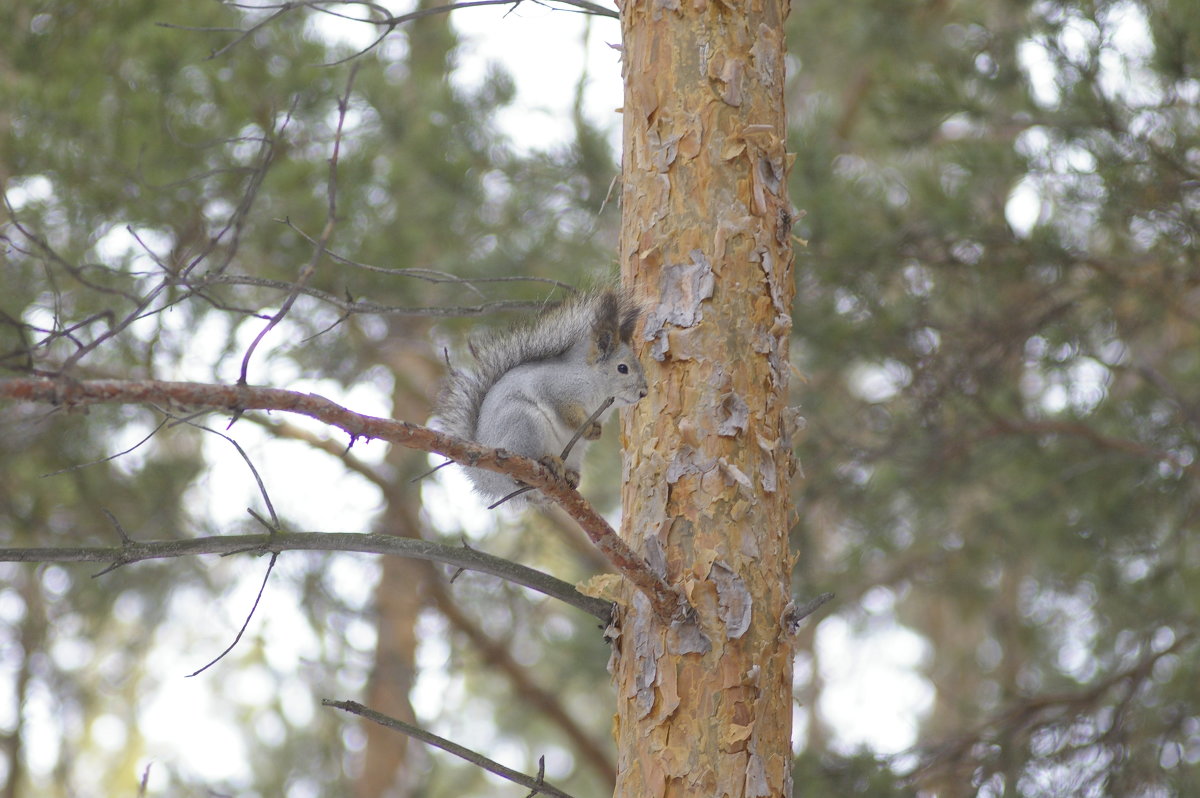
column 706, row 242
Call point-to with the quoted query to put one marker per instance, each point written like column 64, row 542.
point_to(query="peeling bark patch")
column 733, row 148
column 647, row 649
column 749, row 547
column 739, row 476
column 793, row 422
column 656, row 555
column 733, row 600
column 771, row 172
column 686, row 637
column 683, row 288
column 668, row 695
column 756, row 778
column 688, row 461
column 731, row 76
column 662, row 150
column 733, row 735
column 689, row 143
column 767, row 474
column 735, row 412
column 765, row 54
column 785, row 218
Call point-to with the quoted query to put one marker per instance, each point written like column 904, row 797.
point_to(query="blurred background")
column 996, row 355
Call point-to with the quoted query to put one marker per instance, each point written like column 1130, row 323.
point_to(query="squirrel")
column 536, row 385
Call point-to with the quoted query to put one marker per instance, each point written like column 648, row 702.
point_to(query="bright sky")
column 546, row 52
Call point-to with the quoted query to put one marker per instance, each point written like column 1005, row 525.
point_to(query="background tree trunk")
column 388, row 762
column 706, row 239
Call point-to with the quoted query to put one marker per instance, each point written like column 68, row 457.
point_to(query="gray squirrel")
column 536, row 385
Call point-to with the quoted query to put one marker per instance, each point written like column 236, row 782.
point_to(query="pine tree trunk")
column 706, row 240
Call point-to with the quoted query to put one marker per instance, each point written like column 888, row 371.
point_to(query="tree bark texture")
column 706, row 242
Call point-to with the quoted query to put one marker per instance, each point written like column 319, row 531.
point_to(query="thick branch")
column 457, row 556
column 668, row 604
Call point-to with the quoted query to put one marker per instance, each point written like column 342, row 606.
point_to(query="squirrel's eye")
column 623, row 369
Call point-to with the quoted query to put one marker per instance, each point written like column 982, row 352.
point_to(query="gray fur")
column 529, row 382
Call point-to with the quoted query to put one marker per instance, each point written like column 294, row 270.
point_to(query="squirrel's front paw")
column 560, row 470
column 592, row 432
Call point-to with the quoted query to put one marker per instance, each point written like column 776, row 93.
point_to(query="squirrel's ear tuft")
column 607, row 325
column 629, row 319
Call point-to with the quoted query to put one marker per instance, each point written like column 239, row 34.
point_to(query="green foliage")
column 997, row 327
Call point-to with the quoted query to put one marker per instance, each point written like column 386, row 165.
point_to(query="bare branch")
column 668, row 603
column 358, row 306
column 793, row 615
column 536, row 784
column 242, row 631
column 237, row 220
column 116, row 523
column 155, row 299
column 243, row 34
column 455, row 556
column 145, row 780
column 432, row 275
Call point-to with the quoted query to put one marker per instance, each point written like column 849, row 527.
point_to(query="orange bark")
column 706, row 240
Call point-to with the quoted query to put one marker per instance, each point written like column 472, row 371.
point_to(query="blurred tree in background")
column 996, row 326
column 997, row 319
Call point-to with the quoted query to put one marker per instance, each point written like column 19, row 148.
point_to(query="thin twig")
column 110, row 457
column 285, row 429
column 242, row 631
column 262, row 487
column 430, row 472
column 117, row 524
column 350, row 305
column 390, row 23
column 538, row 785
column 793, row 615
column 431, row 275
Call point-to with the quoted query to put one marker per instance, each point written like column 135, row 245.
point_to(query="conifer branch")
column 457, row 556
